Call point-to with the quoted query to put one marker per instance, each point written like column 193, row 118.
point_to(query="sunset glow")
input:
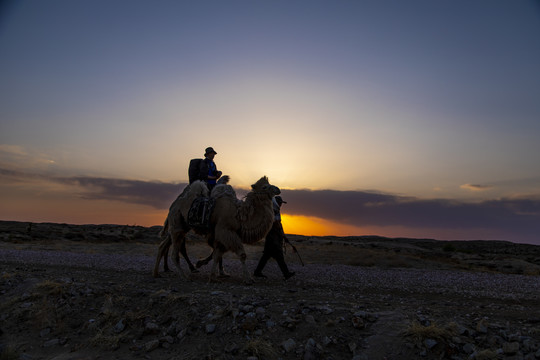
column 313, row 226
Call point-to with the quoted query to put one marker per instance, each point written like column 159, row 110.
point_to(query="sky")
column 395, row 118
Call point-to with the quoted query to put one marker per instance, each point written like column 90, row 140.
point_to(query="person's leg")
column 267, row 254
column 278, row 255
column 261, row 265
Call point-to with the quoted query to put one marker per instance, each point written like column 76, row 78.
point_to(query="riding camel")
column 197, row 191
column 233, row 222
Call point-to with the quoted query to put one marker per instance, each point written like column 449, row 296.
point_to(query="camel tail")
column 163, row 231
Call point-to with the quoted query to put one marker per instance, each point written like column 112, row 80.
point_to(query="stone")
column 327, row 310
column 250, row 315
column 260, row 312
column 270, row 324
column 45, row 332
column 510, row 348
column 430, row 343
column 288, row 345
column 310, row 350
column 181, row 334
column 469, row 348
column 482, row 326
column 151, row 328
column 171, row 330
column 358, row 322
column 167, row 339
column 120, row 326
column 360, row 357
column 289, row 323
column 423, row 320
column 462, row 330
column 328, row 341
column 527, row 345
column 210, row 328
column 232, row 348
column 495, row 340
column 151, row 345
column 52, row 342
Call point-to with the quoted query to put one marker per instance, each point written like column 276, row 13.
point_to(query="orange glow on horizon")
column 313, row 226
column 292, row 224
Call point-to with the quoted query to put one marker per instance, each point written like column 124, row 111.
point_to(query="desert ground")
column 87, row 292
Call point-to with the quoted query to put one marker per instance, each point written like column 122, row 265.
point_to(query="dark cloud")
column 17, row 175
column 156, row 194
column 152, row 193
column 476, row 187
column 518, row 216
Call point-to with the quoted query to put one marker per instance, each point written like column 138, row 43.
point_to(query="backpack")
column 194, row 169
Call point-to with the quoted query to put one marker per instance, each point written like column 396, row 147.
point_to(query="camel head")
column 264, row 186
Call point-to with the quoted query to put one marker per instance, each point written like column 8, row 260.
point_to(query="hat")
column 209, row 150
column 279, row 200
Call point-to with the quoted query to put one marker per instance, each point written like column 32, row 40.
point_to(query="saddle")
column 200, row 212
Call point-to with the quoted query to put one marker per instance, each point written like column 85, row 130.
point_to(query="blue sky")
column 420, row 102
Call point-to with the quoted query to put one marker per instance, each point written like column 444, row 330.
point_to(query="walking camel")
column 233, row 222
column 198, row 189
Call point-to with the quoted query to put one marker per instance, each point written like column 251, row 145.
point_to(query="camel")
column 242, row 222
column 233, row 222
column 181, row 205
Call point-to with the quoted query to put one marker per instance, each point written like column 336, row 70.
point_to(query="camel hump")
column 222, row 190
column 224, row 179
column 198, row 188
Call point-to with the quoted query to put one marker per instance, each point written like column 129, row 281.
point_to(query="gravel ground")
column 467, row 284
column 79, row 305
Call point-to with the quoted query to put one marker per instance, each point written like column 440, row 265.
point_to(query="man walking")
column 273, row 244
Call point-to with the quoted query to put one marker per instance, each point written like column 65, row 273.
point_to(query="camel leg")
column 166, row 259
column 177, row 240
column 205, row 261
column 210, row 239
column 222, row 272
column 163, row 251
column 183, row 251
column 217, row 257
